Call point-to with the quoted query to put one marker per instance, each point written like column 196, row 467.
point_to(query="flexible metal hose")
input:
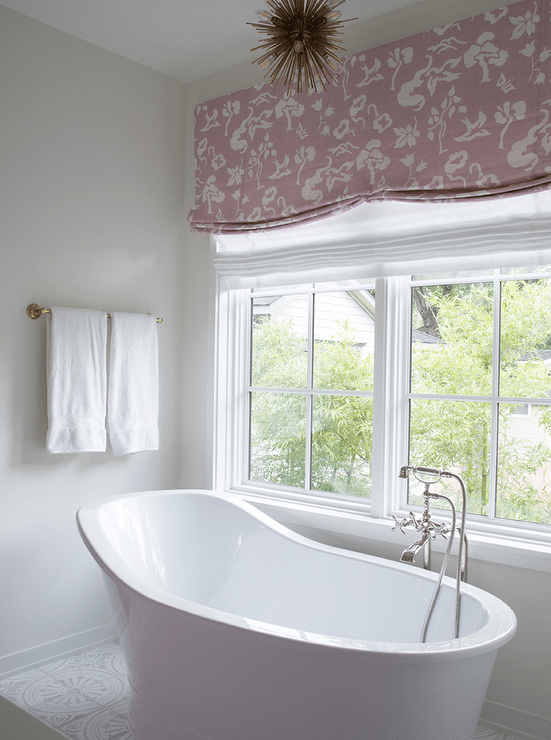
column 441, row 575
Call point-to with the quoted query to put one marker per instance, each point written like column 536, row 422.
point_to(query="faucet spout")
column 407, row 556
column 410, row 552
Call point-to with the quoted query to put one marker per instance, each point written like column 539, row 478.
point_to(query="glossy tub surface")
column 236, row 628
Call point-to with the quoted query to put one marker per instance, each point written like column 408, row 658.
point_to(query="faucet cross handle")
column 442, row 529
column 405, row 522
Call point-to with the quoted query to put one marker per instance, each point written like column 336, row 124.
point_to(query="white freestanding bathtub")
column 235, row 628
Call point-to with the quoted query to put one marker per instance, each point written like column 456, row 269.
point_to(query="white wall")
column 91, row 215
column 522, row 675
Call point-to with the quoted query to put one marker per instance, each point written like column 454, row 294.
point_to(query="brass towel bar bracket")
column 35, row 312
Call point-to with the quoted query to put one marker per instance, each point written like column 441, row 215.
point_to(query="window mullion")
column 309, row 395
column 390, row 403
column 494, row 423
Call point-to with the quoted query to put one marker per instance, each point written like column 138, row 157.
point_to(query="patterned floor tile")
column 16, row 687
column 76, row 688
column 103, row 724
column 69, row 692
column 485, row 733
column 85, row 696
column 106, row 658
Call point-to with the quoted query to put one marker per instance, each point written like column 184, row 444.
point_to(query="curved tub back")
column 182, row 544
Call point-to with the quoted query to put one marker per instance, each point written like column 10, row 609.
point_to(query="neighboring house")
column 331, row 311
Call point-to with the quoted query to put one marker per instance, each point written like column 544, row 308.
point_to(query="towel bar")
column 35, row 312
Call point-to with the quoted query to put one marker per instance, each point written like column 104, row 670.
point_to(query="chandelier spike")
column 301, row 44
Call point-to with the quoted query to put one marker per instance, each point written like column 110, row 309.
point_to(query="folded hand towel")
column 133, row 394
column 76, row 380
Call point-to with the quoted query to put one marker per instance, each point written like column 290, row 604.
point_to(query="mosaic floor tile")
column 15, row 687
column 107, row 658
column 102, row 724
column 85, row 696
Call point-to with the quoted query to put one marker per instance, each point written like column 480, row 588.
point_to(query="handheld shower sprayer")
column 405, row 470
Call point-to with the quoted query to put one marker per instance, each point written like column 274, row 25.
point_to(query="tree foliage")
column 342, row 434
column 456, row 434
column 342, row 426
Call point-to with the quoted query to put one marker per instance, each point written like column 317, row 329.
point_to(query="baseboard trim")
column 522, row 725
column 40, row 654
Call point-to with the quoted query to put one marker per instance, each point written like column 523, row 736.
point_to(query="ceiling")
column 185, row 39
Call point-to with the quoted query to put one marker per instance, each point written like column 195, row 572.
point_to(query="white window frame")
column 346, row 517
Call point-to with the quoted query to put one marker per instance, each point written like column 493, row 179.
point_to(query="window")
column 334, row 386
column 479, row 363
column 311, row 389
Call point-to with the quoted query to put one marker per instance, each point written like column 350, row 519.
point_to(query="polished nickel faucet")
column 425, row 525
column 428, row 529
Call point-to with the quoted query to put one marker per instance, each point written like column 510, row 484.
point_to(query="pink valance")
column 463, row 110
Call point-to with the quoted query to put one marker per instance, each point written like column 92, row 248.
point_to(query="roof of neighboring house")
column 418, row 335
column 542, row 354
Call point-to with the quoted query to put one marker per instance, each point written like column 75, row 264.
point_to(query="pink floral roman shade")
column 463, row 110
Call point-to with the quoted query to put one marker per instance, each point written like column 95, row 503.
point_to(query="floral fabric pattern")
column 463, row 110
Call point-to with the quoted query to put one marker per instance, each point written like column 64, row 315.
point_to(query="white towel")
column 133, row 393
column 76, row 380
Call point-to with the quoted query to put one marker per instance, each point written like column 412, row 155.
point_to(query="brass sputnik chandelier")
column 301, row 44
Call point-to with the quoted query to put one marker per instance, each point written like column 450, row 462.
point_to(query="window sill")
column 486, row 542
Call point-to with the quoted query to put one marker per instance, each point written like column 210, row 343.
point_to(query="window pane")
column 525, row 338
column 452, row 334
column 524, row 464
column 341, row 444
column 279, row 341
column 343, row 334
column 278, row 438
column 454, row 436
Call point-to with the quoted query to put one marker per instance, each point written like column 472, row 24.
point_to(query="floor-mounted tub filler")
column 236, row 628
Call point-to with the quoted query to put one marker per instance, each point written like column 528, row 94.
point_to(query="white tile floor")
column 85, row 696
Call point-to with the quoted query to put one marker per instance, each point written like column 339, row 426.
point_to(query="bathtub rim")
column 500, row 626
